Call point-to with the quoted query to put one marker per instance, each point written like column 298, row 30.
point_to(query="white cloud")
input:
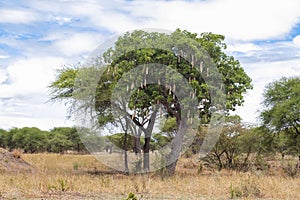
column 56, row 118
column 296, row 40
column 3, row 76
column 3, row 56
column 239, row 20
column 17, row 16
column 61, row 20
column 242, row 47
column 263, row 73
column 24, row 95
column 76, row 43
column 31, row 76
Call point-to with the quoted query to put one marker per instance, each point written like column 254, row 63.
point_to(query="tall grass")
column 57, row 177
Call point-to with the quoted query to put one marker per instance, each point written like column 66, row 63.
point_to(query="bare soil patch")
column 10, row 162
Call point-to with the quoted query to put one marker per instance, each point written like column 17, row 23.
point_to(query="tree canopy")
column 282, row 107
column 281, row 114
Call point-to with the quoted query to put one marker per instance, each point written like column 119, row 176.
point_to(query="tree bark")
column 125, row 153
column 176, row 145
column 171, row 168
column 146, row 148
column 137, row 142
column 146, row 159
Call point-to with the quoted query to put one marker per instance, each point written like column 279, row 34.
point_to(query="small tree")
column 235, row 145
column 281, row 114
column 59, row 143
column 71, row 135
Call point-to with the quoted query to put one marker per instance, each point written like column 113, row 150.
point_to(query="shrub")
column 248, row 188
column 75, row 166
column 131, row 196
column 234, row 192
column 291, row 170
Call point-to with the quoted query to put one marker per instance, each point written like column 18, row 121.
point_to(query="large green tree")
column 281, row 114
column 31, row 140
column 181, row 51
column 70, row 134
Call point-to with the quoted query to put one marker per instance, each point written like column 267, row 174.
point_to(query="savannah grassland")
column 57, row 176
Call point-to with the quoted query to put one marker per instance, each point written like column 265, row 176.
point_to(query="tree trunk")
column 125, row 153
column 110, row 149
column 146, row 147
column 171, row 168
column 146, row 150
column 137, row 145
column 176, row 145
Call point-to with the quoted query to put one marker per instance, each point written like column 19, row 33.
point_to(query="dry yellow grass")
column 73, row 177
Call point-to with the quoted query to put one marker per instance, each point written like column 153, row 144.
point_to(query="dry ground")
column 83, row 177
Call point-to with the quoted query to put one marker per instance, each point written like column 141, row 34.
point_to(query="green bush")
column 131, row 196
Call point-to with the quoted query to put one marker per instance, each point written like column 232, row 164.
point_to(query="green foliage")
column 235, row 192
column 59, row 143
column 160, row 140
column 2, row 138
column 63, row 185
column 65, row 138
column 282, row 105
column 131, row 196
column 31, row 140
column 291, row 169
column 34, row 140
column 118, row 140
column 75, row 166
column 235, row 146
column 281, row 115
column 170, row 127
column 65, row 80
column 141, row 48
column 125, row 57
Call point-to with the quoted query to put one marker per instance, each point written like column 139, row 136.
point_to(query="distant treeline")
column 62, row 139
column 237, row 147
column 34, row 140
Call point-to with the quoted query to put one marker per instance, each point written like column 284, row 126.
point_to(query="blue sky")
column 38, row 37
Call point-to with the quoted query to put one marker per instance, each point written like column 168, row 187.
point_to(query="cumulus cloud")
column 3, row 76
column 242, row 47
column 296, row 41
column 77, row 43
column 24, row 93
column 239, row 20
column 268, row 52
column 17, row 16
column 61, row 20
column 263, row 73
column 30, row 76
column 3, row 56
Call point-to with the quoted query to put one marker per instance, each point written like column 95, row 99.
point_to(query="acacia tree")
column 281, row 113
column 31, row 140
column 169, row 50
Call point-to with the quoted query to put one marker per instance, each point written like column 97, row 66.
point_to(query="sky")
column 39, row 37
